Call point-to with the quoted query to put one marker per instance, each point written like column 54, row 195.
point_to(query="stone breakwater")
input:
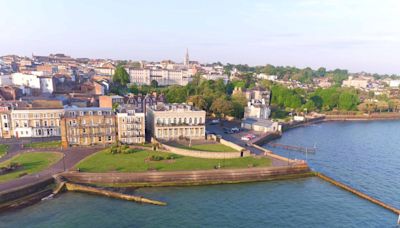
column 358, row 193
column 116, row 195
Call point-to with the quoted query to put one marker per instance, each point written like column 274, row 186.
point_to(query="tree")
column 367, row 107
column 382, row 106
column 348, row 101
column 239, row 102
column 222, row 107
column 154, row 84
column 198, row 102
column 321, row 71
column 394, row 105
column 121, row 77
column 176, row 94
column 134, row 89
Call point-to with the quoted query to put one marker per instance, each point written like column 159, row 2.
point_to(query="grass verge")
column 49, row 144
column 3, row 150
column 140, row 161
column 31, row 163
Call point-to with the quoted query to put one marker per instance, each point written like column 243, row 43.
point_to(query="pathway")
column 71, row 157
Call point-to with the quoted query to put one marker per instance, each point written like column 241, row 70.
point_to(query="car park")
column 245, row 138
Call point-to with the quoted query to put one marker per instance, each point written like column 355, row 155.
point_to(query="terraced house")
column 172, row 121
column 88, row 126
column 131, row 127
column 27, row 122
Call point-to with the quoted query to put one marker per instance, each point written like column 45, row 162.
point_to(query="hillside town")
column 74, row 99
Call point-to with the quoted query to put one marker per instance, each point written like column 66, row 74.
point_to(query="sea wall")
column 265, row 138
column 364, row 117
column 206, row 154
column 181, row 178
column 16, row 193
column 26, row 195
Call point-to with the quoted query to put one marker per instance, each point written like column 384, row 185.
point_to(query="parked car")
column 250, row 136
column 213, row 122
column 235, row 129
column 228, row 131
column 245, row 138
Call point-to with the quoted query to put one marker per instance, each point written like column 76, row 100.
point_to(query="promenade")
column 71, row 157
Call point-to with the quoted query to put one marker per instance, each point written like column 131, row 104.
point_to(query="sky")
column 359, row 35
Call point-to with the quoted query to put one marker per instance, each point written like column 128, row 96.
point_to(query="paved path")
column 71, row 157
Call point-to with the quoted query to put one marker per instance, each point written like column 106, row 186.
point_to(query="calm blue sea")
column 364, row 155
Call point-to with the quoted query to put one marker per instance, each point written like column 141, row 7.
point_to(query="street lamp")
column 63, row 161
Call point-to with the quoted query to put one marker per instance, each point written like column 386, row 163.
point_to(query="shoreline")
column 34, row 192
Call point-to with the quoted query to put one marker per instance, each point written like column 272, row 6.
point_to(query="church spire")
column 186, row 60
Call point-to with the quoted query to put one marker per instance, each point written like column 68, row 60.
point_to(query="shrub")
column 22, row 174
column 156, row 158
column 173, row 156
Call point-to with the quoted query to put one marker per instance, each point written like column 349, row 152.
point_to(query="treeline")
column 212, row 96
column 320, row 100
column 305, row 75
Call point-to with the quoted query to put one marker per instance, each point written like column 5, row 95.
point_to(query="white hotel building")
column 172, row 121
column 163, row 77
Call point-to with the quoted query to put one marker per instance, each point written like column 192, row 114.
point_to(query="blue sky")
column 352, row 34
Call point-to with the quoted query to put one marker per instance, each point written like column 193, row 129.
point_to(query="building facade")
column 173, row 121
column 36, row 122
column 131, row 127
column 88, row 126
column 163, row 77
column 5, row 123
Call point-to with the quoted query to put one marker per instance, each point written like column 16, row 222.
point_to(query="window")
column 84, row 130
column 5, row 117
column 109, row 138
column 99, row 139
column 5, row 124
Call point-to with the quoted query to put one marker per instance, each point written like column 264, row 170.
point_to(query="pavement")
column 218, row 129
column 71, row 157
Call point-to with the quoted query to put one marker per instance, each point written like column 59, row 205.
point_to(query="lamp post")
column 63, row 161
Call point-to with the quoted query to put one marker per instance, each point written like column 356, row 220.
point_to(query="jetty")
column 117, row 195
column 359, row 194
column 294, row 148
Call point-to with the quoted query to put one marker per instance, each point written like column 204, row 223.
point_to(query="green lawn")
column 103, row 161
column 217, row 147
column 49, row 144
column 31, row 162
column 3, row 150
